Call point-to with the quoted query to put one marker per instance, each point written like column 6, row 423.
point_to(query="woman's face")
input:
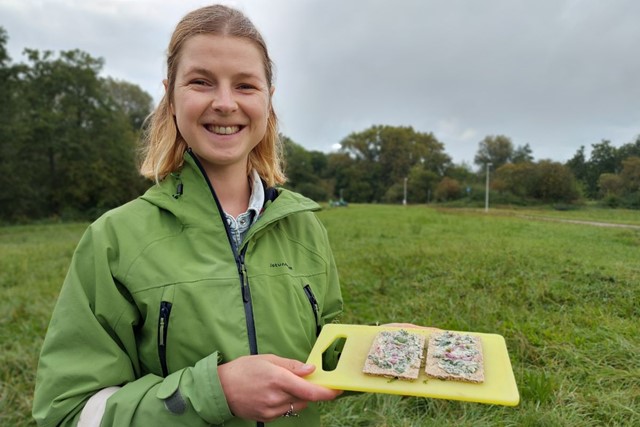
column 221, row 100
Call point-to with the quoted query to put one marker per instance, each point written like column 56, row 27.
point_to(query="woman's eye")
column 246, row 86
column 198, row 82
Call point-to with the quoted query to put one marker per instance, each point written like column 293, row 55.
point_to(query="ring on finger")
column 290, row 412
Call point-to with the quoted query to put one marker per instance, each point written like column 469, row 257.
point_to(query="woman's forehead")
column 218, row 52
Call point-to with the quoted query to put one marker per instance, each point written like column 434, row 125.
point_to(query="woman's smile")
column 223, row 130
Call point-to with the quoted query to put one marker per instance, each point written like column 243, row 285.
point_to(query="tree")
column 448, row 189
column 546, row 181
column 578, row 165
column 518, row 179
column 72, row 148
column 383, row 156
column 297, row 163
column 630, row 174
column 462, row 172
column 338, row 166
column 11, row 136
column 554, row 183
column 422, row 184
column 319, row 163
column 134, row 102
column 496, row 150
column 522, row 154
column 632, row 149
column 604, row 159
column 610, row 185
column 304, row 170
column 4, row 54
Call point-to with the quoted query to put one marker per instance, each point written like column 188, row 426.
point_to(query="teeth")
column 224, row 130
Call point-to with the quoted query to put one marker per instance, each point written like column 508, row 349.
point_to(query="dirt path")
column 499, row 212
column 577, row 221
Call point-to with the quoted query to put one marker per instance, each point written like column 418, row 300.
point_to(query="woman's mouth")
column 223, row 130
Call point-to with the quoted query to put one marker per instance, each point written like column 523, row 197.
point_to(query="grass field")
column 565, row 297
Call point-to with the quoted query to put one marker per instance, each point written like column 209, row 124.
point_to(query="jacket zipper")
column 248, row 305
column 242, row 270
column 314, row 306
column 239, row 258
column 163, row 329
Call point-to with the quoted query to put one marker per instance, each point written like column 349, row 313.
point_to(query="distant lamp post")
column 486, row 191
column 404, row 200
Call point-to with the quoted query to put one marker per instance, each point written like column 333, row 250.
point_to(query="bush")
column 631, row 201
column 448, row 189
column 611, row 201
column 313, row 191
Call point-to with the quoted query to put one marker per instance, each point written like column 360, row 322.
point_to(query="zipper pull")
column 161, row 338
column 245, row 289
column 242, row 271
column 165, row 309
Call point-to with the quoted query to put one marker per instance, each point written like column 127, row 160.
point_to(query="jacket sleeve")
column 91, row 345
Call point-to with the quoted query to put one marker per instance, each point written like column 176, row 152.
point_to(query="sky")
column 554, row 74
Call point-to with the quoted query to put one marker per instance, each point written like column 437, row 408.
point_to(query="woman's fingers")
column 260, row 387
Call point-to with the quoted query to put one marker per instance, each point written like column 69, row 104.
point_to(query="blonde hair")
column 163, row 146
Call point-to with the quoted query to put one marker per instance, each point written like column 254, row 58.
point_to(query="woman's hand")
column 265, row 387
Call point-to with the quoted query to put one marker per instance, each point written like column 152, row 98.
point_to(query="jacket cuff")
column 198, row 387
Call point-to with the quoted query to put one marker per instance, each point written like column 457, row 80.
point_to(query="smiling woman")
column 221, row 102
column 199, row 302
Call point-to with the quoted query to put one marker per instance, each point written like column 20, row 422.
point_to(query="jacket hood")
column 189, row 196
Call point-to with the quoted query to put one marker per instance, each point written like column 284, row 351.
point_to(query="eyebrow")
column 197, row 70
column 206, row 72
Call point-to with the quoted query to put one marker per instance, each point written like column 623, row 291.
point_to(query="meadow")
column 565, row 297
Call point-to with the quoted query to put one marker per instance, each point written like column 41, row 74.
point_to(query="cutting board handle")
column 329, row 336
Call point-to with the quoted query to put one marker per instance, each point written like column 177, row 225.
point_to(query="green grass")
column 33, row 263
column 565, row 297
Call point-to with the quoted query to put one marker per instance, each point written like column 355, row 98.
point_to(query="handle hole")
column 331, row 355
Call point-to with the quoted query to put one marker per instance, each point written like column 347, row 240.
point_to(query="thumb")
column 303, row 369
column 294, row 366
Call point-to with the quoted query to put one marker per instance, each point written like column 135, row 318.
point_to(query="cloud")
column 555, row 74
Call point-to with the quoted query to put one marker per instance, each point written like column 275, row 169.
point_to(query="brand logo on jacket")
column 280, row 264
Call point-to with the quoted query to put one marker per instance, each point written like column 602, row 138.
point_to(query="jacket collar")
column 188, row 195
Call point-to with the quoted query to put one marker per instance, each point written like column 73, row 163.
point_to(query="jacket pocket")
column 163, row 329
column 314, row 307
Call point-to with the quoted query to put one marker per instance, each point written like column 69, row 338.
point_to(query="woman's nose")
column 224, row 100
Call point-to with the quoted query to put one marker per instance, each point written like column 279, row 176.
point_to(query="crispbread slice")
column 395, row 354
column 455, row 356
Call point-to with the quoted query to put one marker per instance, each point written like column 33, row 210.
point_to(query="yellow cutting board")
column 499, row 387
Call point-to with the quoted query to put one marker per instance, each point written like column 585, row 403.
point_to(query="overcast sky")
column 555, row 74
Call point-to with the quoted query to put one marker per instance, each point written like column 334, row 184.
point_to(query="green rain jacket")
column 156, row 297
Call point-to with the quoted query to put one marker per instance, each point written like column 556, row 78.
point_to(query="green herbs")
column 457, row 353
column 397, row 351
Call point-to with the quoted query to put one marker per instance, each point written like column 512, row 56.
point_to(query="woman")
column 197, row 303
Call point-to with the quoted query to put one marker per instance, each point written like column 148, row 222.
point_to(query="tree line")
column 68, row 149
column 67, row 136
column 386, row 164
